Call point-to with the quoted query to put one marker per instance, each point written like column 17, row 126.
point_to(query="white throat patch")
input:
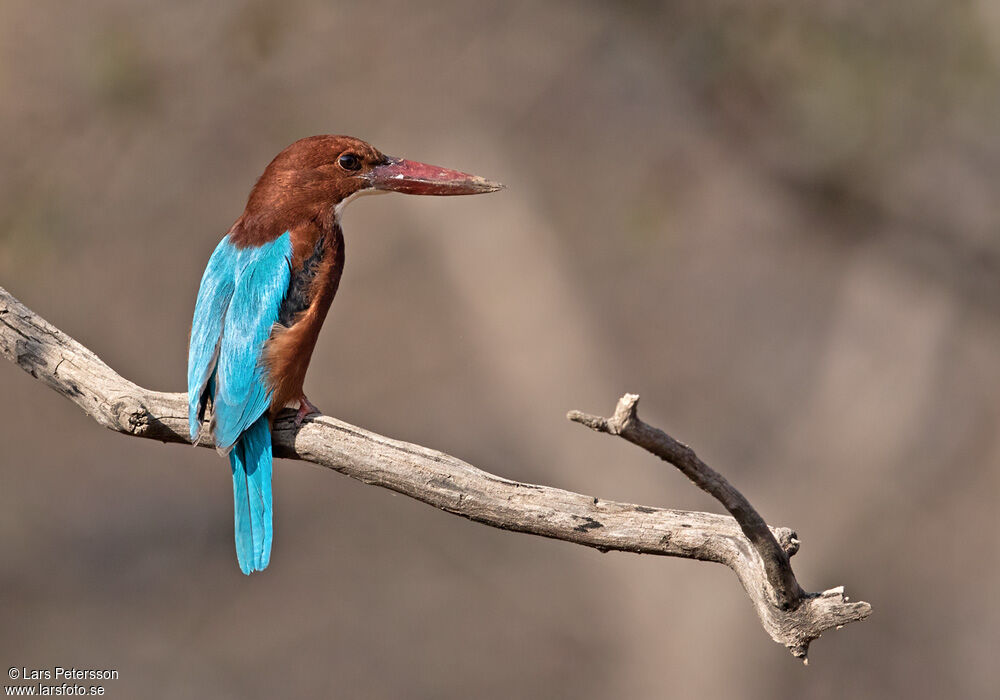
column 339, row 209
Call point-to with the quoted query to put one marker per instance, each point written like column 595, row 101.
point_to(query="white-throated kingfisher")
column 264, row 297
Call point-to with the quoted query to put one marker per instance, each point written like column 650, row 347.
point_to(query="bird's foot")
column 306, row 408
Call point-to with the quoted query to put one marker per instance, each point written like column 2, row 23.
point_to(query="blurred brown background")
column 776, row 221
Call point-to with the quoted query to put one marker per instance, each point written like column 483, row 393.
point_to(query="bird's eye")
column 349, row 161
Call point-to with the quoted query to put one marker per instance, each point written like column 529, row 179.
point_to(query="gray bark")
column 789, row 615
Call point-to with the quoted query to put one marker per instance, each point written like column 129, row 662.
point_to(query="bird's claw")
column 306, row 408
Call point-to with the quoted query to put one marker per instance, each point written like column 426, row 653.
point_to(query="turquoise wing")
column 238, row 304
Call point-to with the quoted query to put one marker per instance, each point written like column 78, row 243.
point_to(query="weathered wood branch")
column 789, row 616
column 625, row 423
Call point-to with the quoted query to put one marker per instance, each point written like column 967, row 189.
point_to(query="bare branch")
column 439, row 479
column 625, row 423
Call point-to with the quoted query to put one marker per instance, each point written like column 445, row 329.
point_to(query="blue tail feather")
column 239, row 302
column 250, row 460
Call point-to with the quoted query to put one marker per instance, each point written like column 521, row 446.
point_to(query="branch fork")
column 790, row 615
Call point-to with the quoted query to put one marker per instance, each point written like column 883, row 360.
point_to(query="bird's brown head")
column 315, row 177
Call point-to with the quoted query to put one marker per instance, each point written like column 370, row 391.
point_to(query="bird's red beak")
column 410, row 177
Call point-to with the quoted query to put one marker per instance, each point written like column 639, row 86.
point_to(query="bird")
column 263, row 298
